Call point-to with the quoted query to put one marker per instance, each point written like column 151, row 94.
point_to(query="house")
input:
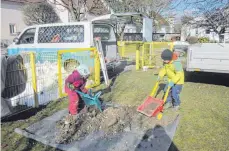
column 194, row 31
column 12, row 18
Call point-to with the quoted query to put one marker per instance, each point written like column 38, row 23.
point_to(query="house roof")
column 25, row 1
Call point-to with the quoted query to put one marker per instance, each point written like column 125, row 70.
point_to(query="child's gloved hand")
column 171, row 84
column 71, row 86
column 90, row 92
column 159, row 79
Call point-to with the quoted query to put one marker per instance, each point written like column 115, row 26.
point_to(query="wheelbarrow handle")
column 154, row 89
column 97, row 95
column 166, row 94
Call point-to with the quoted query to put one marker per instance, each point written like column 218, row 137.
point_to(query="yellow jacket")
column 174, row 71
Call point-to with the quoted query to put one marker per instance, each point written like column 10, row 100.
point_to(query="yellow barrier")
column 127, row 49
column 89, row 53
column 148, row 55
column 34, row 78
column 137, row 59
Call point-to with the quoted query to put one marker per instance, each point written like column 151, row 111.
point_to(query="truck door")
column 108, row 40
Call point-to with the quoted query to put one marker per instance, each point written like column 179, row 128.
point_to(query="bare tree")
column 78, row 8
column 210, row 14
column 97, row 7
column 151, row 8
column 216, row 20
column 186, row 19
column 39, row 13
column 177, row 28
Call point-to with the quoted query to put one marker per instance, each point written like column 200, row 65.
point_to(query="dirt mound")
column 110, row 121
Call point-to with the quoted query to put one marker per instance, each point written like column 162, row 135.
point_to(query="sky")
column 190, row 7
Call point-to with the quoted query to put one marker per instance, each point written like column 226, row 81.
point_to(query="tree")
column 186, row 19
column 39, row 13
column 215, row 19
column 79, row 8
column 177, row 28
column 151, row 8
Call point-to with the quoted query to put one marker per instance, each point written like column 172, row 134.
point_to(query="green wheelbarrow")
column 90, row 99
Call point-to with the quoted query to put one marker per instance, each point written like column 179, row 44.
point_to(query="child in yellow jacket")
column 174, row 71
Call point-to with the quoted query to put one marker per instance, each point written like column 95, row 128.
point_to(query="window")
column 196, row 31
column 28, row 36
column 12, row 29
column 102, row 31
column 61, row 34
column 207, row 31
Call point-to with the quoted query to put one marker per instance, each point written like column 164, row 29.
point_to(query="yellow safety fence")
column 143, row 53
column 36, row 78
column 20, row 83
column 127, row 49
column 68, row 60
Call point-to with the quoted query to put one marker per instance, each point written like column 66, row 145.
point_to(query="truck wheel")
column 70, row 65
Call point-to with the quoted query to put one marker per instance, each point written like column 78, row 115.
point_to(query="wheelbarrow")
column 153, row 106
column 90, row 99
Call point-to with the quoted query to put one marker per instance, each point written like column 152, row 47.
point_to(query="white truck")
column 59, row 36
column 208, row 57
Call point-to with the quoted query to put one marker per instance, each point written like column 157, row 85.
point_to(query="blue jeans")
column 174, row 94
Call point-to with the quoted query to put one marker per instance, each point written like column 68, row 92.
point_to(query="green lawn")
column 204, row 123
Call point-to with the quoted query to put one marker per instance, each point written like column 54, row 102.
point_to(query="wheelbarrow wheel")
column 159, row 116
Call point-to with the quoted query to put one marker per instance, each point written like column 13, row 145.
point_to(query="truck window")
column 101, row 31
column 61, row 34
column 28, row 36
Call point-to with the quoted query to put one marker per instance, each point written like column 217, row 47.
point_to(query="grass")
column 205, row 118
column 204, row 123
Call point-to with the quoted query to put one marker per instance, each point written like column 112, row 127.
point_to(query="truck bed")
column 208, row 57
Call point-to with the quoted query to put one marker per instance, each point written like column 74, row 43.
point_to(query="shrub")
column 192, row 40
column 203, row 40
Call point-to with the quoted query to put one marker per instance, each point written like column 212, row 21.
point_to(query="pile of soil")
column 111, row 121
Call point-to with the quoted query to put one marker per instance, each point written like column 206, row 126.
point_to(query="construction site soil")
column 111, row 121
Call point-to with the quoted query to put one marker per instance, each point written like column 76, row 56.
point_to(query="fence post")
column 171, row 46
column 137, row 59
column 59, row 74
column 150, row 54
column 123, row 49
column 97, row 68
column 34, row 78
column 143, row 54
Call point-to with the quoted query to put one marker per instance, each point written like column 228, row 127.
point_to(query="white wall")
column 11, row 14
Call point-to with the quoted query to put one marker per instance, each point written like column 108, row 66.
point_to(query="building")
column 11, row 19
column 199, row 32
